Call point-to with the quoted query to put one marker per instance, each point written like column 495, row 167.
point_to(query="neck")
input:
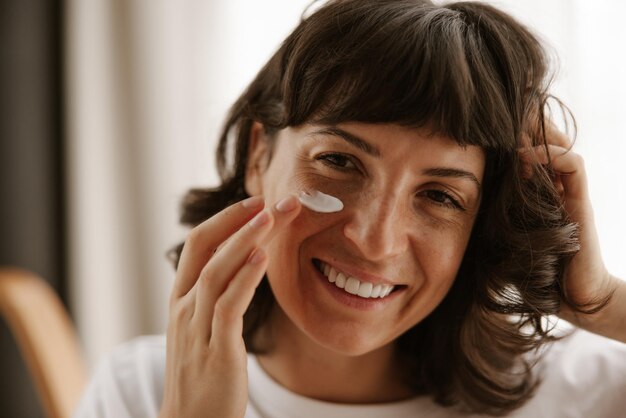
column 309, row 369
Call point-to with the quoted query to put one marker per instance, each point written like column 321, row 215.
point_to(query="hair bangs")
column 415, row 69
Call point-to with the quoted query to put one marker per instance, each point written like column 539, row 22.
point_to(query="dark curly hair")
column 465, row 70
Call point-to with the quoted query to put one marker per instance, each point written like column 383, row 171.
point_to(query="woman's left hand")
column 586, row 278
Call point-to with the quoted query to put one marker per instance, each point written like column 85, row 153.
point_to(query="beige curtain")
column 148, row 83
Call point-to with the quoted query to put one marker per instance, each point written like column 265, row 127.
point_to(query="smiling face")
column 410, row 200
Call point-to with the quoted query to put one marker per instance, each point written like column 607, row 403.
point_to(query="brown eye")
column 337, row 161
column 442, row 198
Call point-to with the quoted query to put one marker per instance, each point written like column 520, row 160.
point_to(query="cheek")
column 287, row 246
column 438, row 255
column 442, row 251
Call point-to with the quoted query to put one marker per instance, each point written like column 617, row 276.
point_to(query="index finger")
column 207, row 236
column 555, row 137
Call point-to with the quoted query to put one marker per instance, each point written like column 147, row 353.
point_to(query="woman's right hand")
column 221, row 265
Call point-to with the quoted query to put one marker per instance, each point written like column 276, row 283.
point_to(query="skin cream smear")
column 320, row 202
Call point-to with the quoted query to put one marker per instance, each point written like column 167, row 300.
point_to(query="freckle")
column 320, row 202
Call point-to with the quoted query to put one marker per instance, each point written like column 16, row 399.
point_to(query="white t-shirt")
column 584, row 376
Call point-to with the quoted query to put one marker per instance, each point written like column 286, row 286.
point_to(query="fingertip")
column 287, row 204
column 257, row 257
column 254, row 202
column 260, row 219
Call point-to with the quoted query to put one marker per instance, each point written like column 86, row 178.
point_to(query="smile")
column 353, row 285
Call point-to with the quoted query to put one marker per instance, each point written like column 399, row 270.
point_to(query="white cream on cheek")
column 320, row 202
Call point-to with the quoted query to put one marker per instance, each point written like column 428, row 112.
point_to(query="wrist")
column 610, row 320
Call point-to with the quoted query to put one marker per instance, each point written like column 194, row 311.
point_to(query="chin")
column 346, row 340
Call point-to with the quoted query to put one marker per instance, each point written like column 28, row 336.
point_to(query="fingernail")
column 260, row 220
column 252, row 202
column 256, row 257
column 287, row 204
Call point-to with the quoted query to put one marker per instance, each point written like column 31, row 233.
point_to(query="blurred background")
column 110, row 110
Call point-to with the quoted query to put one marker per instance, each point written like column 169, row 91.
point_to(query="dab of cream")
column 320, row 202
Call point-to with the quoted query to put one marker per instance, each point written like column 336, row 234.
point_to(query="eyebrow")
column 348, row 137
column 452, row 172
column 372, row 150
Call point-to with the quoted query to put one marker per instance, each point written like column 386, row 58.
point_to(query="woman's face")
column 410, row 200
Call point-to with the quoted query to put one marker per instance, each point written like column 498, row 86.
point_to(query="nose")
column 379, row 229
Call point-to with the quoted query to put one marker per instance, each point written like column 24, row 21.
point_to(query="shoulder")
column 582, row 375
column 128, row 382
column 582, row 358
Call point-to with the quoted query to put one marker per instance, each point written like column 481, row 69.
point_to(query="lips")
column 354, row 285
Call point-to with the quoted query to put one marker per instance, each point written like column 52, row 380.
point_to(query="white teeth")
column 365, row 290
column 376, row 291
column 354, row 286
column 341, row 281
column 386, row 290
column 332, row 275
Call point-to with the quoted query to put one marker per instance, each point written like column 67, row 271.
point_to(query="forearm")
column 609, row 321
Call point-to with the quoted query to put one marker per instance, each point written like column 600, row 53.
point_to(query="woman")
column 464, row 223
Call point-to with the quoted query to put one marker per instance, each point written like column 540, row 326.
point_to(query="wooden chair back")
column 46, row 338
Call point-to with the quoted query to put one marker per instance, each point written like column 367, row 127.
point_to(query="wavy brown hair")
column 465, row 70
